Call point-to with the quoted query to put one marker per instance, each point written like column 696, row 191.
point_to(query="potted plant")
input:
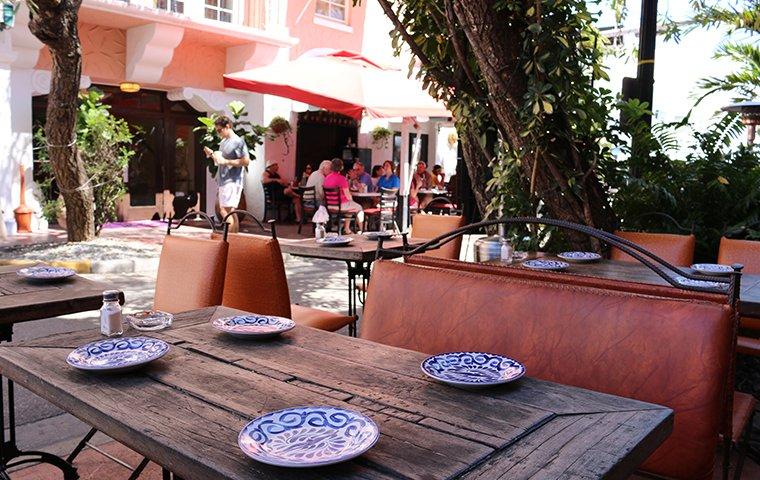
column 380, row 136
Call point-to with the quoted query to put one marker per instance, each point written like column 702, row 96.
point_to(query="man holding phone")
column 231, row 158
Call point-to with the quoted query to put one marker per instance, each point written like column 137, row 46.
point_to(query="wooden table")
column 358, row 256
column 749, row 303
column 184, row 411
column 23, row 301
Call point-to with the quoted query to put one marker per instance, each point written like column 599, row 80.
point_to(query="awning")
column 342, row 82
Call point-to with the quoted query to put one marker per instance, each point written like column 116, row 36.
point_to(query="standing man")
column 231, row 158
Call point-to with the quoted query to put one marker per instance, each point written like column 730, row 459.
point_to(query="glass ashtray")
column 150, row 320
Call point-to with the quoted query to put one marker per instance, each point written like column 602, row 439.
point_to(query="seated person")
column 305, row 175
column 279, row 187
column 360, row 177
column 347, row 204
column 317, row 179
column 439, row 178
column 389, row 179
column 377, row 172
column 422, row 177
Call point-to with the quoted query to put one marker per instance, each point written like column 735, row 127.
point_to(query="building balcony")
column 253, row 20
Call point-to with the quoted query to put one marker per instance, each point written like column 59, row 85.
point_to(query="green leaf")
column 547, row 107
column 535, row 28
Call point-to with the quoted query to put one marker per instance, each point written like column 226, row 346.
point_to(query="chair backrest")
column 190, row 274
column 669, row 351
column 675, row 249
column 308, row 197
column 255, row 278
column 746, row 252
column 431, row 226
column 332, row 197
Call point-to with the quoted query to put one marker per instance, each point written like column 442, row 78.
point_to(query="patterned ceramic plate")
column 46, row 274
column 712, row 269
column 253, row 326
column 580, row 257
column 540, row 264
column 335, row 241
column 687, row 282
column 472, row 369
column 308, row 436
column 376, row 235
column 117, row 354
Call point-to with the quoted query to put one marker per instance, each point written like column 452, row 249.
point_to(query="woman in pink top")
column 336, row 180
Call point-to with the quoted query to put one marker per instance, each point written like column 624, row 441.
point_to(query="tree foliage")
column 105, row 144
column 520, row 78
column 252, row 134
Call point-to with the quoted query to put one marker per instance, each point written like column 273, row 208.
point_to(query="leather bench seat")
column 669, row 351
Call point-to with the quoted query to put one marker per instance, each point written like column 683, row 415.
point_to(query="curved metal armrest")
column 272, row 229
column 189, row 214
column 650, row 260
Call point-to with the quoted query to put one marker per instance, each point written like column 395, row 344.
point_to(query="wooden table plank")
column 749, row 302
column 23, row 301
column 360, row 250
column 185, row 410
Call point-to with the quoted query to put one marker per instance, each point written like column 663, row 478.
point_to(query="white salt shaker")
column 506, row 251
column 319, row 231
column 110, row 314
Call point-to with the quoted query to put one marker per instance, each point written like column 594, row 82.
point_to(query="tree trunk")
column 54, row 23
column 496, row 48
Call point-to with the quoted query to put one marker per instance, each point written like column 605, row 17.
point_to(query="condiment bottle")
column 110, row 314
column 506, row 251
column 319, row 231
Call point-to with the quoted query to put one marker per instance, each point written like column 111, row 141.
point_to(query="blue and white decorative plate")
column 117, row 354
column 688, row 282
column 308, row 436
column 712, row 269
column 253, row 326
column 337, row 241
column 45, row 273
column 541, row 264
column 472, row 369
column 580, row 257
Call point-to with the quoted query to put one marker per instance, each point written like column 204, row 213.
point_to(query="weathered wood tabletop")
column 185, row 411
column 749, row 296
column 360, row 250
column 22, row 300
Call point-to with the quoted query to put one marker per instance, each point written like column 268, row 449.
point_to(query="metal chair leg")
column 81, row 445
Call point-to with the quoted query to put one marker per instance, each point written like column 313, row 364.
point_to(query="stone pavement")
column 41, row 425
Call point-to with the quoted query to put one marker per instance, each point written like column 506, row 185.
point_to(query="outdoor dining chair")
column 747, row 253
column 335, row 208
column 309, row 203
column 675, row 249
column 431, row 226
column 273, row 205
column 385, row 212
column 190, row 272
column 255, row 281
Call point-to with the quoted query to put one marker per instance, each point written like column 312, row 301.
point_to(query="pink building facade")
column 177, row 51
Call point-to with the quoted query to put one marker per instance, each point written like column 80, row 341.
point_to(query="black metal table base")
column 356, row 271
column 10, row 455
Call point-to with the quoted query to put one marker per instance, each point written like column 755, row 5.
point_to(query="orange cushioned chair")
column 255, row 282
column 190, row 274
column 746, row 252
column 674, row 249
column 431, row 226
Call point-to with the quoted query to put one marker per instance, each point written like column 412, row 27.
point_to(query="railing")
column 269, row 15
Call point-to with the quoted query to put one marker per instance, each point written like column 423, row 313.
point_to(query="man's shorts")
column 229, row 195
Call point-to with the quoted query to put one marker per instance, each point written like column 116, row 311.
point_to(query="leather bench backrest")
column 667, row 351
column 255, row 279
column 674, row 249
column 190, row 274
column 564, row 277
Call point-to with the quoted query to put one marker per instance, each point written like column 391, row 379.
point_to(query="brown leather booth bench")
column 656, row 348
